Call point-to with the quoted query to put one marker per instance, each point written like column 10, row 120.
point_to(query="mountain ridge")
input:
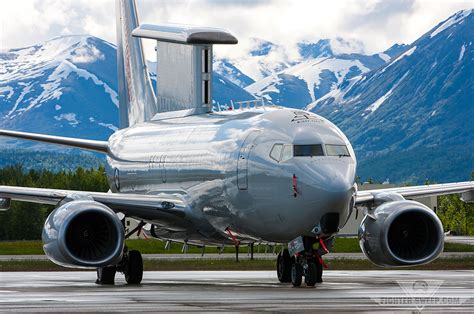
column 413, row 100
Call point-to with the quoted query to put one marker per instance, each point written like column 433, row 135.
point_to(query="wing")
column 98, row 146
column 151, row 207
column 466, row 188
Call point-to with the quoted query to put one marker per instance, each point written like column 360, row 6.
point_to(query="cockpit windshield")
column 284, row 152
column 308, row 150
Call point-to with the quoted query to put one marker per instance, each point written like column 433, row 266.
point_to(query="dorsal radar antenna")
column 184, row 66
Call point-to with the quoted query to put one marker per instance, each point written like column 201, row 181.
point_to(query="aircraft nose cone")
column 338, row 182
column 332, row 178
column 329, row 192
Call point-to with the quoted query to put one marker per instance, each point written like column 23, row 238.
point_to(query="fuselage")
column 262, row 175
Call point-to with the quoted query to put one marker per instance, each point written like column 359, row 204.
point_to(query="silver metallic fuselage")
column 220, row 165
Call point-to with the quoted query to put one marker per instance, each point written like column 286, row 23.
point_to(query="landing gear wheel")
column 106, row 275
column 296, row 274
column 310, row 277
column 134, row 268
column 284, row 263
column 319, row 272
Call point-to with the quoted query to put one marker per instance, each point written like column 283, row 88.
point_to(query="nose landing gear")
column 310, row 269
column 306, row 261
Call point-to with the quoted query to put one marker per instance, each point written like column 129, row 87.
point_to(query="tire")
column 319, row 272
column 310, row 277
column 284, row 263
column 106, row 275
column 296, row 274
column 134, row 273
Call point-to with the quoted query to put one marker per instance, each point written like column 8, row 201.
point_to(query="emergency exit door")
column 243, row 162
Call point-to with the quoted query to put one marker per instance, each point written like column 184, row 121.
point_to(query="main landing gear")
column 307, row 263
column 131, row 265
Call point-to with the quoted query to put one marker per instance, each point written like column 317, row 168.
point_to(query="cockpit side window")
column 337, row 150
column 276, row 152
column 287, row 153
column 308, row 150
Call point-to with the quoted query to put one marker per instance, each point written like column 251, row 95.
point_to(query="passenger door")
column 243, row 162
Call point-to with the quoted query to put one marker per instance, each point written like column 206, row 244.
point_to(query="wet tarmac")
column 460, row 239
column 215, row 256
column 239, row 291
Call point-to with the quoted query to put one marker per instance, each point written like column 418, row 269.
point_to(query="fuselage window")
column 308, row 150
column 337, row 150
column 276, row 152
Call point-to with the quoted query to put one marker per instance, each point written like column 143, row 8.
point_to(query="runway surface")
column 460, row 239
column 239, row 291
column 215, row 256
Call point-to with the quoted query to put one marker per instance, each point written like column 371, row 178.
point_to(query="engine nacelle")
column 401, row 233
column 83, row 233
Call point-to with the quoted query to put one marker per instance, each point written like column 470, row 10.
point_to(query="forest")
column 24, row 221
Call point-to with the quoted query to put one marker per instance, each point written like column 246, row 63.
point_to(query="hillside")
column 421, row 101
column 68, row 86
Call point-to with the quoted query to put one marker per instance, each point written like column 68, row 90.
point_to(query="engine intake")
column 83, row 233
column 401, row 233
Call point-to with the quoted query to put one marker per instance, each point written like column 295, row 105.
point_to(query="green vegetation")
column 343, row 245
column 456, row 216
column 55, row 161
column 244, row 264
column 24, row 221
column 437, row 164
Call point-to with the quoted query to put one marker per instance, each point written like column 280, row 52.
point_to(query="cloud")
column 87, row 54
column 377, row 24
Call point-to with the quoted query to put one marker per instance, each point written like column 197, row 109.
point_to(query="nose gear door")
column 243, row 162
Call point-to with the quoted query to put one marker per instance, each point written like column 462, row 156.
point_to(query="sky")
column 373, row 25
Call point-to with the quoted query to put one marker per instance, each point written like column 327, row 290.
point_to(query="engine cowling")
column 401, row 233
column 83, row 233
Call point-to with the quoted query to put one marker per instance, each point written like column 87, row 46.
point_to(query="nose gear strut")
column 306, row 261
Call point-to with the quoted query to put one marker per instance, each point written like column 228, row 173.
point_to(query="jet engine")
column 400, row 233
column 83, row 233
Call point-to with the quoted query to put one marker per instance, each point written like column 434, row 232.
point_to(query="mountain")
column 323, row 66
column 407, row 110
column 422, row 100
column 262, row 59
column 65, row 86
column 68, row 86
column 226, row 68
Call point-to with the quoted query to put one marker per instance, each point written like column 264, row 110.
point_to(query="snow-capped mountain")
column 322, row 67
column 263, row 59
column 68, row 86
column 65, row 86
column 408, row 110
column 422, row 100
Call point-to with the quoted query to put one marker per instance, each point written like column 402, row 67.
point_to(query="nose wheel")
column 296, row 274
column 307, row 264
column 311, row 271
column 313, row 274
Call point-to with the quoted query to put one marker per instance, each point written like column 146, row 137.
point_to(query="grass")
column 244, row 264
column 342, row 245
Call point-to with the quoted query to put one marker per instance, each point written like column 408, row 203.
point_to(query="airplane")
column 222, row 178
